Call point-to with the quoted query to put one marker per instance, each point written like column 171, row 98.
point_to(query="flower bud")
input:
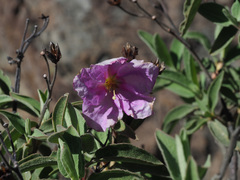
column 54, row 54
column 129, row 52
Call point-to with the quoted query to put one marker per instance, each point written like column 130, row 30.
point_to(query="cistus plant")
column 89, row 138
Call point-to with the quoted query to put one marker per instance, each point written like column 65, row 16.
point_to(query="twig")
column 50, row 89
column 12, row 156
column 174, row 34
column 229, row 154
column 20, row 52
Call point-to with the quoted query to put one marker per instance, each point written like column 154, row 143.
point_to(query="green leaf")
column 190, row 67
column 236, row 10
column 28, row 127
column 213, row 12
column 15, row 135
column 74, row 143
column 162, row 51
column 46, row 126
column 157, row 170
column 232, row 55
column 60, row 164
column 29, row 102
column 192, row 170
column 42, row 98
column 67, row 160
column 182, row 160
column 232, row 19
column 147, row 38
column 88, row 143
column 201, row 38
column 37, row 162
column 176, row 51
column 224, row 38
column 39, row 135
column 15, row 120
column 71, row 117
column 175, row 115
column 169, row 151
column 53, row 138
column 28, row 158
column 213, row 91
column 181, row 80
column 59, row 112
column 229, row 94
column 116, row 174
column 125, row 130
column 126, row 153
column 180, row 90
column 202, row 170
column 5, row 83
column 219, row 132
column 189, row 12
column 5, row 101
column 193, row 125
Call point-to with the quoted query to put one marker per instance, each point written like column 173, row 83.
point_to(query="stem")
column 229, row 154
column 20, row 53
column 176, row 35
column 50, row 88
column 130, row 13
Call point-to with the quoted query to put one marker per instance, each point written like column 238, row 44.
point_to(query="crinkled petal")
column 141, row 76
column 102, row 116
column 90, row 85
column 138, row 106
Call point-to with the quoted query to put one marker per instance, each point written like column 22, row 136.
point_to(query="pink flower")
column 114, row 87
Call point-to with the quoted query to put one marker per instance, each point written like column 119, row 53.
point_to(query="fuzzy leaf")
column 162, row 51
column 214, row 13
column 213, row 92
column 67, row 160
column 5, row 83
column 169, row 151
column 176, row 114
column 224, row 38
column 192, row 170
column 189, row 11
column 5, row 101
column 190, row 67
column 181, row 80
column 201, row 38
column 29, row 102
column 15, row 120
column 37, row 162
column 126, row 153
column 59, row 112
column 116, row 174
column 148, row 39
column 236, row 10
column 39, row 135
column 219, row 132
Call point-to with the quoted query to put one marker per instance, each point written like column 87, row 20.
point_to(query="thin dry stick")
column 12, row 156
column 20, row 52
column 229, row 154
column 50, row 85
column 174, row 34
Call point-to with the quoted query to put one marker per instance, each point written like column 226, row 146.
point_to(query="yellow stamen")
column 114, row 95
column 111, row 84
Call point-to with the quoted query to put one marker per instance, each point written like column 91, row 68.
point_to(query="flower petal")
column 138, row 106
column 101, row 116
column 138, row 76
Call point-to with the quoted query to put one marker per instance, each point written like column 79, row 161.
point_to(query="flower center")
column 111, row 84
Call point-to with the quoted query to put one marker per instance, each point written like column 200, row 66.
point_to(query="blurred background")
column 87, row 32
